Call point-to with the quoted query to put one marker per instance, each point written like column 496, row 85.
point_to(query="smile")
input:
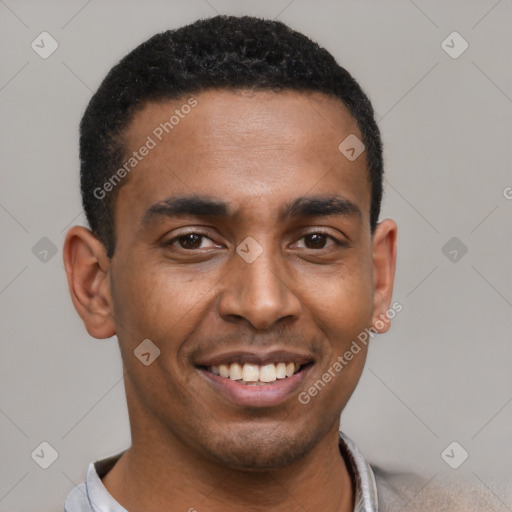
column 257, row 383
column 254, row 374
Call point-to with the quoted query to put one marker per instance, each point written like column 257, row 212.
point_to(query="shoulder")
column 91, row 495
column 396, row 489
column 440, row 493
column 77, row 500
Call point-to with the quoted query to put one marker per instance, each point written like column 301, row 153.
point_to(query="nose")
column 258, row 292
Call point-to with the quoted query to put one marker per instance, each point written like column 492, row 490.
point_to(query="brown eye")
column 189, row 241
column 318, row 240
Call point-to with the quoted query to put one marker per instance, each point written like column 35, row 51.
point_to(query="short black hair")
column 227, row 52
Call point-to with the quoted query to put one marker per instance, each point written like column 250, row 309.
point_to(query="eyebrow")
column 209, row 207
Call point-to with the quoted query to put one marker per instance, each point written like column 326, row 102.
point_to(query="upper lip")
column 256, row 357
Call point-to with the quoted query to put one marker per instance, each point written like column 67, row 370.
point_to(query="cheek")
column 343, row 312
column 157, row 302
column 342, row 301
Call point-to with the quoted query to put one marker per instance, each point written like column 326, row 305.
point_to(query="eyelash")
column 205, row 235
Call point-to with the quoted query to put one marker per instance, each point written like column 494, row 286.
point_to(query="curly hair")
column 226, row 52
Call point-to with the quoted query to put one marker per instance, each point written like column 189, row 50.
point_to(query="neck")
column 159, row 470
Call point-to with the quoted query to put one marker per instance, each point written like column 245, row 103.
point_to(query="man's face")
column 191, row 285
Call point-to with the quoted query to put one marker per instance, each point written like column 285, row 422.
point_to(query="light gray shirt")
column 92, row 496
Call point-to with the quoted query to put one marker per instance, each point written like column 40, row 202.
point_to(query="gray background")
column 441, row 374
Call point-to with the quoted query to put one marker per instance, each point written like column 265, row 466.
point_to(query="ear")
column 384, row 262
column 88, row 274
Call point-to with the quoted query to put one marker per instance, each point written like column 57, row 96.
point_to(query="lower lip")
column 265, row 395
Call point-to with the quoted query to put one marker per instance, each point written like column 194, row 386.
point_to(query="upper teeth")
column 253, row 373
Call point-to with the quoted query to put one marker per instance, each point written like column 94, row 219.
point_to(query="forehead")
column 242, row 146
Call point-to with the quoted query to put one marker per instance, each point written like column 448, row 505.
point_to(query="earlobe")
column 384, row 263
column 87, row 272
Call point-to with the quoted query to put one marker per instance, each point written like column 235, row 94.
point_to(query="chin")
column 253, row 451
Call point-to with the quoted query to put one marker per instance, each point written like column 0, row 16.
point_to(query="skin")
column 191, row 447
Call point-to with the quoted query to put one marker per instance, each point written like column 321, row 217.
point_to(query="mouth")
column 250, row 374
column 256, row 380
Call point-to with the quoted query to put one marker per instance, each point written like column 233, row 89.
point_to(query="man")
column 231, row 173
